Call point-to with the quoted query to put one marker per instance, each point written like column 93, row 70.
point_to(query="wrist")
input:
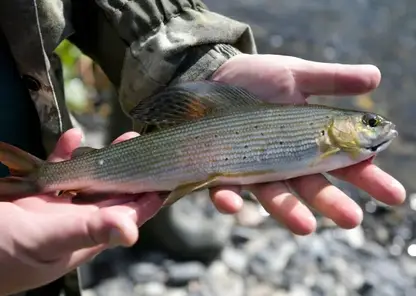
column 203, row 61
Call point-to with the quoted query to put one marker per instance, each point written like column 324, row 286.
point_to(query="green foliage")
column 76, row 92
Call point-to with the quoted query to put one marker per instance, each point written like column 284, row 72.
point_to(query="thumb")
column 111, row 226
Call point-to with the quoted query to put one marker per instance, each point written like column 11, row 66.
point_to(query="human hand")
column 43, row 237
column 286, row 79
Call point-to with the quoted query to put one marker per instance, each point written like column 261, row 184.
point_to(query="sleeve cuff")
column 190, row 45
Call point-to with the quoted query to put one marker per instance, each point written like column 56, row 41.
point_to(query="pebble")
column 221, row 280
column 150, row 289
column 235, row 259
column 118, row 286
column 240, row 235
column 146, row 272
column 182, row 273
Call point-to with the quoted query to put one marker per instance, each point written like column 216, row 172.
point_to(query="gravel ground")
column 261, row 258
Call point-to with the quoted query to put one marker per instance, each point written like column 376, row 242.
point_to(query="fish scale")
column 209, row 134
column 259, row 130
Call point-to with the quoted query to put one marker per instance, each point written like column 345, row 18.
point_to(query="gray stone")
column 150, row 289
column 146, row 272
column 222, row 281
column 117, row 286
column 182, row 273
column 235, row 259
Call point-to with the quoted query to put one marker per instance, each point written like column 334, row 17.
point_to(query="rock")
column 150, row 289
column 354, row 237
column 146, row 272
column 176, row 292
column 240, row 235
column 197, row 288
column 260, row 289
column 235, row 259
column 221, row 281
column 117, row 286
column 299, row 290
column 89, row 292
column 412, row 201
column 182, row 273
column 154, row 257
column 325, row 284
column 271, row 262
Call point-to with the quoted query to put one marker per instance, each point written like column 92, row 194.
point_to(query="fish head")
column 361, row 133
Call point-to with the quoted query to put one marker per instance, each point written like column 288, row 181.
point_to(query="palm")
column 285, row 79
column 55, row 236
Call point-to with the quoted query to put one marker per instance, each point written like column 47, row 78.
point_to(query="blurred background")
column 249, row 254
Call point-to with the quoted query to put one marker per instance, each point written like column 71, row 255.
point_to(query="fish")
column 205, row 134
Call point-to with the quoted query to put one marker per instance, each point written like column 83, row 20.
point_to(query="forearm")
column 145, row 45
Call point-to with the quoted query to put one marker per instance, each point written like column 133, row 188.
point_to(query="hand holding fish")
column 43, row 237
column 285, row 79
column 232, row 133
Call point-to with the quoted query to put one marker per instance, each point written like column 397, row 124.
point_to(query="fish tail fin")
column 21, row 166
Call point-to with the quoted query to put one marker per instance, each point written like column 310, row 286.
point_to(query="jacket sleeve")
column 144, row 45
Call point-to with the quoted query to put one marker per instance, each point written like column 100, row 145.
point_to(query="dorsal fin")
column 189, row 101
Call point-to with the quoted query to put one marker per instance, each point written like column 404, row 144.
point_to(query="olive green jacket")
column 142, row 46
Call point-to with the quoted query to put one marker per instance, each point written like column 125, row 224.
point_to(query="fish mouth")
column 382, row 145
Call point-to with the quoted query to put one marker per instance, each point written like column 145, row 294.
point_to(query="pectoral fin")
column 186, row 189
column 330, row 151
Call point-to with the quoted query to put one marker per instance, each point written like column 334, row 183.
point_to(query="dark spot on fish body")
column 281, row 142
column 282, row 126
column 322, row 133
column 246, row 146
column 244, row 157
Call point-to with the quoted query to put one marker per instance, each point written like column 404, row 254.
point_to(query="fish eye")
column 371, row 120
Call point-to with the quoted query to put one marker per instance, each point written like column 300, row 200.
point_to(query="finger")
column 374, row 181
column 125, row 136
column 83, row 256
column 315, row 78
column 69, row 141
column 328, row 200
column 227, row 199
column 283, row 206
column 113, row 226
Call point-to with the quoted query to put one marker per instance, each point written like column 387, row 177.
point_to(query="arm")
column 145, row 45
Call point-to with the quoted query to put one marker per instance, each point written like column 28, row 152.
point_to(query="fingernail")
column 360, row 215
column 115, row 238
column 397, row 185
